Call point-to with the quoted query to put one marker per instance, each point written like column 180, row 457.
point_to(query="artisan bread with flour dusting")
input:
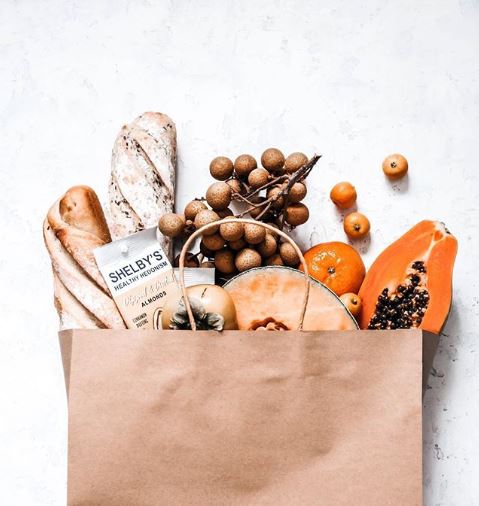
column 142, row 183
column 75, row 225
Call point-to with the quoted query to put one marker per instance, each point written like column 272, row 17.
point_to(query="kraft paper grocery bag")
column 244, row 418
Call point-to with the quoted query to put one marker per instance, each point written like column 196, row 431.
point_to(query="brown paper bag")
column 244, row 418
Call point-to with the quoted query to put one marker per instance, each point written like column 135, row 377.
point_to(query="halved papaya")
column 410, row 283
column 270, row 298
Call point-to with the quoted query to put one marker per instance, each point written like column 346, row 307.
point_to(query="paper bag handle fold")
column 200, row 231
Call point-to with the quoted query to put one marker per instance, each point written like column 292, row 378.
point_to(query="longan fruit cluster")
column 237, row 247
column 272, row 193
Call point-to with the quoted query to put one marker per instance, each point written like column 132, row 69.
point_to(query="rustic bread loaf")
column 142, row 183
column 75, row 225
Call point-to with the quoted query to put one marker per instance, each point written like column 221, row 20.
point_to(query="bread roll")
column 142, row 183
column 75, row 225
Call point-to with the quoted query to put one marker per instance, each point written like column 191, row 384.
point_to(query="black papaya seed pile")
column 405, row 307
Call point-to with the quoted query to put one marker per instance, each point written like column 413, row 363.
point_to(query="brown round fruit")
column 171, row 225
column 294, row 162
column 343, row 195
column 274, row 192
column 247, row 259
column 244, row 164
column 288, row 254
column 268, row 247
column 297, row 192
column 254, row 213
column 207, row 265
column 206, row 217
column 232, row 231
column 274, row 260
column 213, row 242
column 237, row 245
column 225, row 213
column 274, row 225
column 191, row 260
column 257, row 178
column 352, row 302
column 296, row 214
column 206, row 252
column 272, row 160
column 218, row 196
column 395, row 166
column 193, row 208
column 235, row 186
column 221, row 168
column 254, row 234
column 356, row 225
column 225, row 261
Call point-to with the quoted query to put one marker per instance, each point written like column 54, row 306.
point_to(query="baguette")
column 142, row 183
column 75, row 225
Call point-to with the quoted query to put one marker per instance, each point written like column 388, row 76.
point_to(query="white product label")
column 139, row 276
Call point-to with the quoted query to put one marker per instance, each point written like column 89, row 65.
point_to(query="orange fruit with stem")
column 352, row 302
column 336, row 264
column 356, row 225
column 395, row 166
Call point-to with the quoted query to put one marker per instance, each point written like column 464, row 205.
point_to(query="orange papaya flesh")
column 410, row 284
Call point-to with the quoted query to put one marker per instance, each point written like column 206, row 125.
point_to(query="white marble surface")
column 352, row 80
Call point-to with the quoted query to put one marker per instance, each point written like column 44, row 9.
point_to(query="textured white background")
column 353, row 80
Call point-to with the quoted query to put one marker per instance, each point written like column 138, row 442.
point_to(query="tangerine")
column 343, row 195
column 336, row 264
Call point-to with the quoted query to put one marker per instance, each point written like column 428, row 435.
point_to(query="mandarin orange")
column 336, row 264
